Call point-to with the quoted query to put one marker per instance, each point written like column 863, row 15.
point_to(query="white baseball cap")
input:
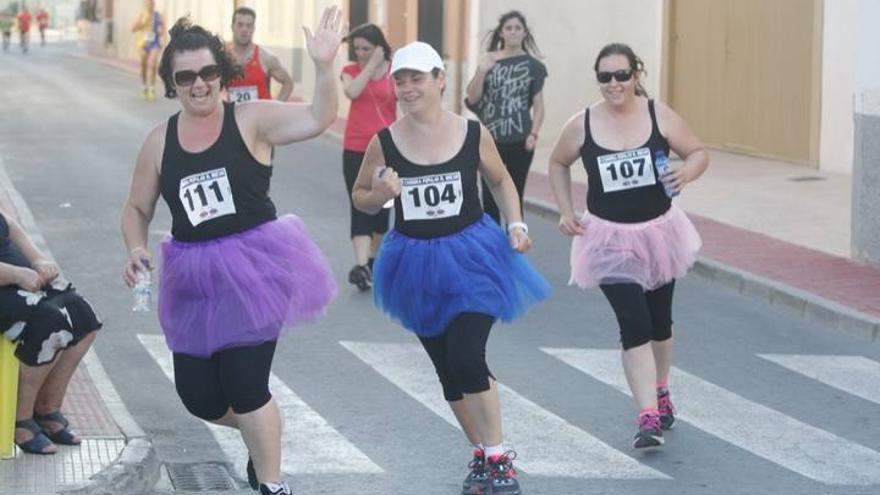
column 417, row 56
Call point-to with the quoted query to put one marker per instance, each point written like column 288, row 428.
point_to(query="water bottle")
column 662, row 164
column 142, row 290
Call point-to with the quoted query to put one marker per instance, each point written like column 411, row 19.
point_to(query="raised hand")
column 324, row 43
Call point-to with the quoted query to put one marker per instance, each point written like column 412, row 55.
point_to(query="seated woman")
column 52, row 327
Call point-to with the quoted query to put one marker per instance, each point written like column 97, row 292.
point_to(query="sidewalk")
column 115, row 455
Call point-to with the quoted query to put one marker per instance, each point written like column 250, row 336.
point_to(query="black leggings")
column 517, row 160
column 237, row 377
column 643, row 316
column 361, row 223
column 459, row 355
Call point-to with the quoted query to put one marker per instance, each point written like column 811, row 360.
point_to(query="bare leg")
column 261, row 431
column 153, row 58
column 30, row 380
column 361, row 245
column 641, row 374
column 466, row 420
column 484, row 410
column 662, row 358
column 374, row 244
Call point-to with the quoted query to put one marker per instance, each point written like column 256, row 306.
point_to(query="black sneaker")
column 283, row 489
column 667, row 410
column 252, row 476
column 361, row 277
column 502, row 475
column 650, row 435
column 477, row 481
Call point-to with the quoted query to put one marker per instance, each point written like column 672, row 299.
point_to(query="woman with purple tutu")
column 632, row 242
column 233, row 274
column 447, row 271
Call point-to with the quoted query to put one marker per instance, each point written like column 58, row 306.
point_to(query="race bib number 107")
column 626, row 170
column 206, row 196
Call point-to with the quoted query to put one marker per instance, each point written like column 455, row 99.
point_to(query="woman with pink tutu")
column 233, row 274
column 632, row 242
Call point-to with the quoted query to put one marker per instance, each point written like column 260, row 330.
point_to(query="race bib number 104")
column 431, row 196
column 626, row 170
column 206, row 196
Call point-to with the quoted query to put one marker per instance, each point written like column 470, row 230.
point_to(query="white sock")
column 496, row 450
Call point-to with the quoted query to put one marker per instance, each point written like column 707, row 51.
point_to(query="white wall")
column 868, row 47
column 840, row 41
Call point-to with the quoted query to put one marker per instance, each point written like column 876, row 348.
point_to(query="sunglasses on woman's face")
column 208, row 73
column 619, row 75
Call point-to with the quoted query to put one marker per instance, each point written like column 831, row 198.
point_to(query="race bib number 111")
column 206, row 196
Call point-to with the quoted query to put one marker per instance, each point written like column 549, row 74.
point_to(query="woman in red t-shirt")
column 368, row 84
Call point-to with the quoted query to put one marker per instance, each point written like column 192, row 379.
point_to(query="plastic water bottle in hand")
column 143, row 290
column 662, row 163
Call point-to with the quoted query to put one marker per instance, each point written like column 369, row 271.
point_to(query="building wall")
column 839, row 58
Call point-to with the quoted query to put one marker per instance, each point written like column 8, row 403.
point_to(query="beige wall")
column 570, row 34
column 839, row 59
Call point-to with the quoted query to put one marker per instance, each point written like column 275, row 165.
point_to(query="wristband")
column 521, row 225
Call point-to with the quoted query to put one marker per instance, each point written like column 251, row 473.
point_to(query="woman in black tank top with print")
column 446, row 271
column 233, row 276
column 632, row 242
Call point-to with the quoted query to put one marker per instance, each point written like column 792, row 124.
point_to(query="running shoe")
column 477, row 481
column 649, row 435
column 361, row 277
column 667, row 410
column 282, row 489
column 151, row 94
column 502, row 475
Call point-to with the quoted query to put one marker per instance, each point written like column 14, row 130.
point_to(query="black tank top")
column 438, row 199
column 220, row 191
column 9, row 252
column 624, row 186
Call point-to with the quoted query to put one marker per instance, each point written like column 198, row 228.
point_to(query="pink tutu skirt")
column 650, row 253
column 241, row 289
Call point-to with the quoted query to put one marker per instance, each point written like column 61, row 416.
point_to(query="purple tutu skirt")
column 241, row 289
column 651, row 253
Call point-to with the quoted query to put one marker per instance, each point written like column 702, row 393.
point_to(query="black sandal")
column 38, row 443
column 63, row 436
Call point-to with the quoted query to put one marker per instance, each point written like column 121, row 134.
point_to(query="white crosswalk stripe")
column 309, row 444
column 551, row 445
column 855, row 375
column 781, row 439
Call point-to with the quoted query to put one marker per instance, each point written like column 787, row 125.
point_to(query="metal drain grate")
column 201, row 477
column 806, row 178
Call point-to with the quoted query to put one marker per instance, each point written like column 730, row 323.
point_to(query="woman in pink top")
column 368, row 84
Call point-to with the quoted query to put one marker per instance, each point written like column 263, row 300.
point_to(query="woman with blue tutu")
column 632, row 242
column 233, row 275
column 447, row 271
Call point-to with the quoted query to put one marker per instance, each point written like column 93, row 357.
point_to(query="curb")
column 801, row 302
column 136, row 469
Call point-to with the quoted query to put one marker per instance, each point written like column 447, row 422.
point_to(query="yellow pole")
column 8, row 397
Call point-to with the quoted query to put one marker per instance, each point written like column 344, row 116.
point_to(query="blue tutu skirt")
column 241, row 289
column 425, row 283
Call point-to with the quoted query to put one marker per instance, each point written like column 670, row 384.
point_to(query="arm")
column 537, row 120
column 371, row 190
column 138, row 23
column 685, row 144
column 280, row 123
column 475, row 86
column 138, row 210
column 277, row 72
column 44, row 270
column 503, row 191
column 564, row 153
column 354, row 86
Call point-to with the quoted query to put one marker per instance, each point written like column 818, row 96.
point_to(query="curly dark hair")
column 635, row 63
column 372, row 34
column 186, row 37
column 494, row 41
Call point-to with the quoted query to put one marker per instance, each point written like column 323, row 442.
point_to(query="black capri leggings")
column 236, row 378
column 643, row 316
column 517, row 160
column 459, row 355
column 361, row 223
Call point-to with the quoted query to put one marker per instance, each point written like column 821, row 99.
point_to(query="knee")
column 247, row 397
column 202, row 402
column 634, row 335
column 470, row 372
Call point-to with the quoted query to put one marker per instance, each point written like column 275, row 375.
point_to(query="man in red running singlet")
column 260, row 66
column 42, row 18
column 24, row 27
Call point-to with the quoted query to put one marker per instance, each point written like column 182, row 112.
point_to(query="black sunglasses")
column 208, row 73
column 620, row 75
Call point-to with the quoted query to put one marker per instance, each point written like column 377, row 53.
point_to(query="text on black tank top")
column 438, row 199
column 624, row 186
column 220, row 191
